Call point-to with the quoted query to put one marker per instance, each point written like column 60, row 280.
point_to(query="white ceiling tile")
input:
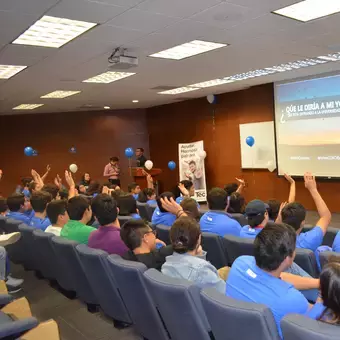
column 85, row 11
column 123, row 3
column 34, row 7
column 191, row 30
column 13, row 24
column 141, row 20
column 116, row 35
column 226, row 15
column 23, row 55
column 177, row 8
column 268, row 5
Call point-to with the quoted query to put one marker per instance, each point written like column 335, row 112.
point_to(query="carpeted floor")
column 74, row 321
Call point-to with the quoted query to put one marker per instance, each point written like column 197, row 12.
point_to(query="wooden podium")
column 139, row 176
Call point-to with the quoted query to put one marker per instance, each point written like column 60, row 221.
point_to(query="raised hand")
column 183, row 189
column 289, row 178
column 310, row 182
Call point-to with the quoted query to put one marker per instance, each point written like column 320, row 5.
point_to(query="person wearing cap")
column 257, row 214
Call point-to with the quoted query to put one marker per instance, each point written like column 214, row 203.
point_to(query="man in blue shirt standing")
column 161, row 215
column 39, row 202
column 294, row 214
column 18, row 205
column 258, row 278
column 216, row 220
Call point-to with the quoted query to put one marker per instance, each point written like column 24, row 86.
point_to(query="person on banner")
column 195, row 175
column 141, row 159
column 112, row 171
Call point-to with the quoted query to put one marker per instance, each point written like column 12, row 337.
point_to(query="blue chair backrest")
column 103, row 283
column 214, row 246
column 163, row 233
column 324, row 257
column 298, row 327
column 48, row 262
column 305, row 258
column 237, row 246
column 130, row 281
column 231, row 319
column 178, row 302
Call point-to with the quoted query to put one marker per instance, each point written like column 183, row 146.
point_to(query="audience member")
column 187, row 189
column 236, row 203
column 141, row 241
column 294, row 214
column 3, row 206
column 127, row 206
column 258, row 278
column 161, row 215
column 107, row 237
column 234, row 187
column 188, row 259
column 134, row 189
column 190, row 207
column 17, row 206
column 85, row 180
column 274, row 205
column 147, row 195
column 257, row 215
column 93, row 189
column 80, row 213
column 112, row 171
column 57, row 213
column 52, row 189
column 328, row 308
column 81, row 189
column 39, row 202
column 216, row 220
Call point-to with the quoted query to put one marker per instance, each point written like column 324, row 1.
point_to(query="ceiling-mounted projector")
column 120, row 61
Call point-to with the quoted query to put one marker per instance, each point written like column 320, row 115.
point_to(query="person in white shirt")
column 57, row 213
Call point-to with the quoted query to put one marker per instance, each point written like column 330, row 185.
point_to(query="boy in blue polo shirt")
column 134, row 189
column 257, row 215
column 162, row 216
column 18, row 205
column 216, row 220
column 258, row 278
column 294, row 214
column 39, row 202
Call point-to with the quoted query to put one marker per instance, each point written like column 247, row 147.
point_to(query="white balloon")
column 73, row 168
column 211, row 98
column 148, row 165
column 202, row 154
column 271, row 166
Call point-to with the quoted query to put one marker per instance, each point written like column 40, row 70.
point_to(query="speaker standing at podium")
column 140, row 157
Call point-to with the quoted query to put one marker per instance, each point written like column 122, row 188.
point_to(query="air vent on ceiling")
column 164, row 88
column 90, row 107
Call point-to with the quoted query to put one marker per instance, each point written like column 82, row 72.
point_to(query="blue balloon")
column 73, row 150
column 129, row 152
column 35, row 153
column 172, row 165
column 28, row 151
column 250, row 141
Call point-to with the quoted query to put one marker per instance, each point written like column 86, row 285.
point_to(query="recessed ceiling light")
column 27, row 106
column 53, row 32
column 8, row 71
column 108, row 77
column 107, row 107
column 60, row 94
column 209, row 83
column 135, row 101
column 310, row 9
column 188, row 49
column 179, row 90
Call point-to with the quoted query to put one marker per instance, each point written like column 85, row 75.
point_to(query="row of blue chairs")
column 159, row 307
column 223, row 251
